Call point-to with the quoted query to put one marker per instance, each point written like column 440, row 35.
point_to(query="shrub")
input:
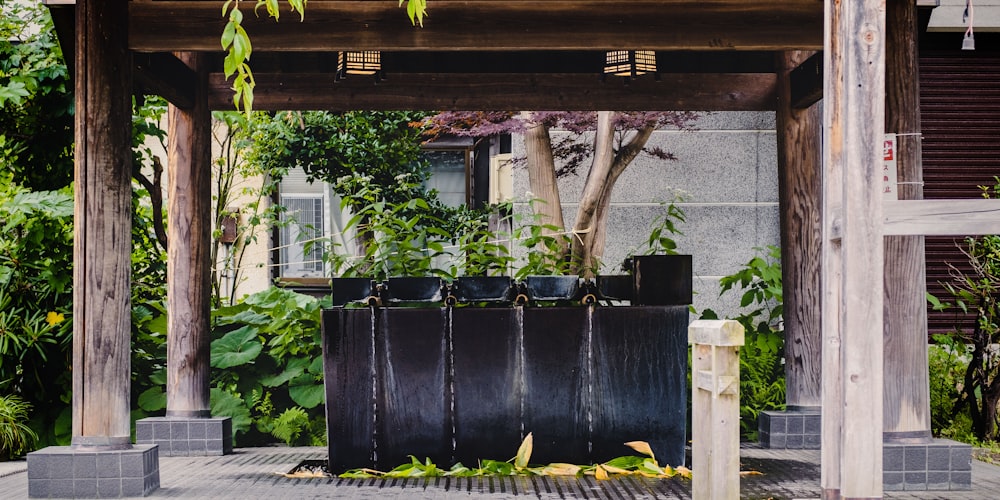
column 762, row 371
column 15, row 435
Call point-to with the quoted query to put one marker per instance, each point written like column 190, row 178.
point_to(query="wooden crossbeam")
column 165, row 75
column 941, row 217
column 573, row 91
column 486, row 25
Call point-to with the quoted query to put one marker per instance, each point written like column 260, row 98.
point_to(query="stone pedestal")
column 937, row 464
column 791, row 429
column 66, row 472
column 187, row 436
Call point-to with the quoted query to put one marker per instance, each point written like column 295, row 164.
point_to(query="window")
column 301, row 255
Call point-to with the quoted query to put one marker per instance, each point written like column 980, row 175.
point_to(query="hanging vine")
column 236, row 41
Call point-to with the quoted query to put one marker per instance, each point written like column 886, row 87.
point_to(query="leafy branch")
column 236, row 41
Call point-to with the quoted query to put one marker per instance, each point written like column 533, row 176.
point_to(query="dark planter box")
column 661, row 279
column 348, row 290
column 483, row 289
column 614, row 287
column 552, row 287
column 463, row 384
column 424, row 289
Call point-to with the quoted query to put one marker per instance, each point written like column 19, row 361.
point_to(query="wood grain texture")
column 854, row 127
column 164, row 26
column 510, row 91
column 942, row 217
column 906, row 398
column 800, row 195
column 102, row 228
column 189, row 230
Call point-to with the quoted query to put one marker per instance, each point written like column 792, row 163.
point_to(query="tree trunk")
column 542, row 176
column 590, row 228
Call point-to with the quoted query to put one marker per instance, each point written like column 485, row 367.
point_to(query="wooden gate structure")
column 522, row 55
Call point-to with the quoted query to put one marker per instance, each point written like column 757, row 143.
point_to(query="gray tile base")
column 938, row 464
column 789, row 429
column 65, row 472
column 187, row 436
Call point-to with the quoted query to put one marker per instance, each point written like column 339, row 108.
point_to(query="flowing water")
column 374, row 375
column 521, row 384
column 450, row 349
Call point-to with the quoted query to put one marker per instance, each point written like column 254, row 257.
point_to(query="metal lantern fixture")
column 629, row 64
column 366, row 63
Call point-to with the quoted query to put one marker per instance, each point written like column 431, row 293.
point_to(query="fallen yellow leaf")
column 683, row 471
column 524, row 452
column 601, row 473
column 561, row 469
column 641, row 447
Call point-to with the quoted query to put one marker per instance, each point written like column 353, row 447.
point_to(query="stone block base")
column 939, row 464
column 186, row 436
column 65, row 472
column 792, row 429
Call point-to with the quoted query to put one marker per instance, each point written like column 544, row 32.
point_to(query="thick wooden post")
column 907, row 397
column 800, row 188
column 189, row 232
column 715, row 399
column 102, row 232
column 853, row 119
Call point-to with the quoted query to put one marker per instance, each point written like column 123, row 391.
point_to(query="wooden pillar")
column 102, row 228
column 907, row 396
column 853, row 126
column 799, row 194
column 189, row 231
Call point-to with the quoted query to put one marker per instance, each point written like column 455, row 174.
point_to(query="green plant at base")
column 482, row 252
column 646, row 466
column 762, row 371
column 15, row 435
column 544, row 245
column 267, row 359
column 664, row 227
column 948, row 361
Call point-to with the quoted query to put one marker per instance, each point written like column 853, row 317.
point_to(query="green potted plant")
column 484, row 264
column 671, row 272
column 405, row 243
column 547, row 273
column 15, row 435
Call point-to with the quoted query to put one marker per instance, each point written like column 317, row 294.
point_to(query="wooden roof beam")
column 167, row 76
column 420, row 91
column 196, row 25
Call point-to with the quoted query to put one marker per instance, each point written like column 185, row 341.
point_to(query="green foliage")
column 948, row 362
column 36, row 249
column 544, row 246
column 762, row 372
column 16, row 437
column 269, row 360
column 36, row 99
column 660, row 240
column 482, row 252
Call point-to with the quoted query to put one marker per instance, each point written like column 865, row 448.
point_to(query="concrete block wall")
column 726, row 170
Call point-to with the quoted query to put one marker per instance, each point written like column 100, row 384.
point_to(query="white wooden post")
column 715, row 406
